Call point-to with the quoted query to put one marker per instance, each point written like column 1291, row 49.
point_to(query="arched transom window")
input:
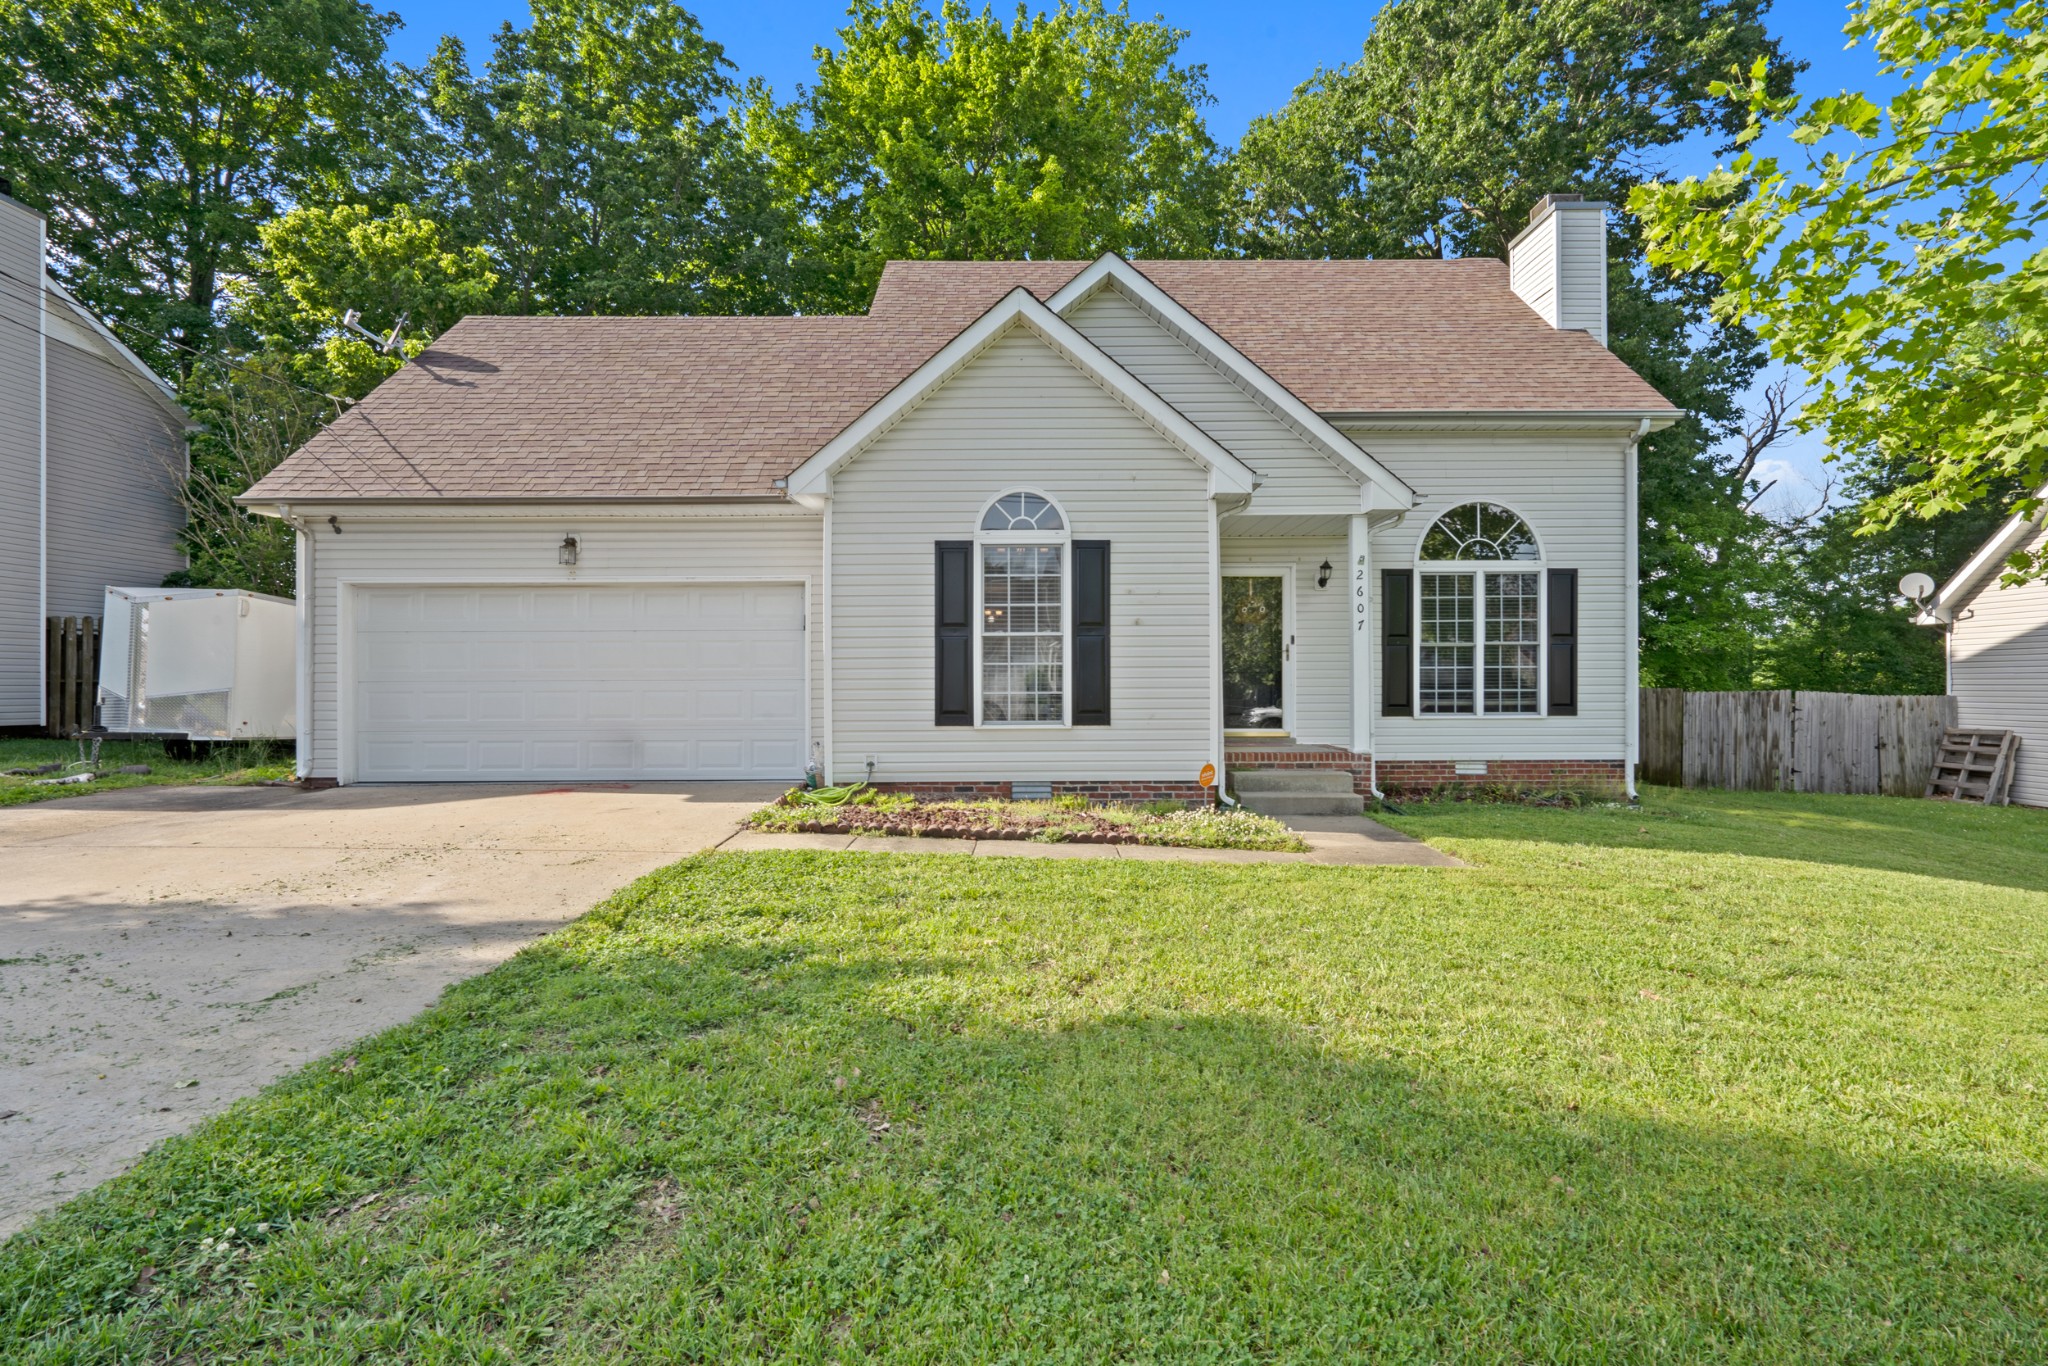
column 1022, row 571
column 1022, row 512
column 1480, row 531
column 1479, row 615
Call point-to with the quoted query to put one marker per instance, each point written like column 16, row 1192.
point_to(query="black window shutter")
column 954, row 598
column 1397, row 643
column 1564, row 642
column 1091, row 633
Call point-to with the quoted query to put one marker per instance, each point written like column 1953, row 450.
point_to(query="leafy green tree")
column 1897, row 264
column 160, row 135
column 249, row 415
column 1842, row 625
column 592, row 162
column 403, row 277
column 1457, row 117
column 953, row 135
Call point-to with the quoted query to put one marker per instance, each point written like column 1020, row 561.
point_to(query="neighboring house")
column 1084, row 527
column 92, row 455
column 1998, row 648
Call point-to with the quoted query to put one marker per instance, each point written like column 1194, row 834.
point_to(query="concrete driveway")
column 166, row 951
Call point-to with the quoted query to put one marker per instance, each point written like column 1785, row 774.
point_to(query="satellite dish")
column 1916, row 586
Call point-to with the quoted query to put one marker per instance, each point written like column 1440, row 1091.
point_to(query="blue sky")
column 1255, row 54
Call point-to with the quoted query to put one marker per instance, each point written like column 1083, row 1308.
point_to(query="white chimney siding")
column 1558, row 264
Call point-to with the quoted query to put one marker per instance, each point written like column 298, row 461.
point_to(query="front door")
column 1258, row 651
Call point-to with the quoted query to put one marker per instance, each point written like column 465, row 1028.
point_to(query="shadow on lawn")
column 839, row 1157
column 1997, row 846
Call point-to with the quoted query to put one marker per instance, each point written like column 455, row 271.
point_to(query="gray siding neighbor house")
column 1998, row 648
column 1082, row 528
column 92, row 451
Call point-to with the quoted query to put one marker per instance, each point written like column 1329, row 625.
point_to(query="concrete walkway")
column 166, row 951
column 1346, row 840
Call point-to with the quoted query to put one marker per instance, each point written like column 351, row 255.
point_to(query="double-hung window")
column 1021, row 565
column 1479, row 615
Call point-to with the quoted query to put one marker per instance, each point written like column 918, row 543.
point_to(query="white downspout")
column 1216, row 644
column 302, row 584
column 1632, row 695
column 43, row 482
column 826, row 778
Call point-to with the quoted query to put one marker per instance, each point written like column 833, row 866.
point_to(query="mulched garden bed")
column 1045, row 822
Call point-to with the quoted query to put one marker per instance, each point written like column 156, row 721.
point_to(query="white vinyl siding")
column 1582, row 271
column 1021, row 416
column 1298, row 479
column 1569, row 488
column 115, row 462
column 517, row 546
column 1558, row 266
column 1998, row 671
column 21, row 433
column 1532, row 267
column 1322, row 647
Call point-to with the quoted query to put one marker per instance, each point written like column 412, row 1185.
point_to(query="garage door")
column 650, row 681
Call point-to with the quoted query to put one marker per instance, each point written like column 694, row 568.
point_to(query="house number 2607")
column 1358, row 594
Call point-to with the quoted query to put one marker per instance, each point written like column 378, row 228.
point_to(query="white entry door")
column 649, row 681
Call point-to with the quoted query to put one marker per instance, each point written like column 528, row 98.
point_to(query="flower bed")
column 1063, row 820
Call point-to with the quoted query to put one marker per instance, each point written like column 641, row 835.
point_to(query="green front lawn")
column 1731, row 1078
column 250, row 762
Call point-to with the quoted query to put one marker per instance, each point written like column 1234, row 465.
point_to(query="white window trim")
column 1476, row 569
column 1064, row 539
column 1481, row 569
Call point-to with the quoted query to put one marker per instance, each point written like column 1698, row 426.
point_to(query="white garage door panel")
column 660, row 681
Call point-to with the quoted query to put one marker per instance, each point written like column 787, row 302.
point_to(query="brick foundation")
column 1421, row 775
column 1412, row 776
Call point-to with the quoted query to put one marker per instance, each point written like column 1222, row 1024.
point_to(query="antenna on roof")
column 352, row 321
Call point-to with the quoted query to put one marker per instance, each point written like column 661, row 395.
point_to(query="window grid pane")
column 1446, row 644
column 1513, row 643
column 1022, row 669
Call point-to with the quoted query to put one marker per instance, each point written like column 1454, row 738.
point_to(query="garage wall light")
column 567, row 553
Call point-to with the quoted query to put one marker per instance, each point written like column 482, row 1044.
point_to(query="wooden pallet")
column 1974, row 766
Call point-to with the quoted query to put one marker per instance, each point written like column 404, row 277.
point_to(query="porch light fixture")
column 567, row 553
column 1323, row 574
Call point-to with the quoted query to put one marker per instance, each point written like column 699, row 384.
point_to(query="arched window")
column 1022, row 512
column 1480, row 531
column 1479, row 623
column 1021, row 579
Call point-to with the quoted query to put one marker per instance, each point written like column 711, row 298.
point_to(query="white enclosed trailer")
column 204, row 663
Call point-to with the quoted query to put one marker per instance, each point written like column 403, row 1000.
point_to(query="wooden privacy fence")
column 71, row 672
column 1784, row 741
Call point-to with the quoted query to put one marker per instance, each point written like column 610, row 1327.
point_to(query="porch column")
column 1359, row 577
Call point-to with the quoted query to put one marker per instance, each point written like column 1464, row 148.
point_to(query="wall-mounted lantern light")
column 1323, row 574
column 567, row 554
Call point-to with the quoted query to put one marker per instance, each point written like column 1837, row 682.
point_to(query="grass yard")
column 249, row 762
column 1732, row 1078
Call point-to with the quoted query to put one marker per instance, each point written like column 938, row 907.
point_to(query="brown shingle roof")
column 723, row 407
column 1342, row 336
